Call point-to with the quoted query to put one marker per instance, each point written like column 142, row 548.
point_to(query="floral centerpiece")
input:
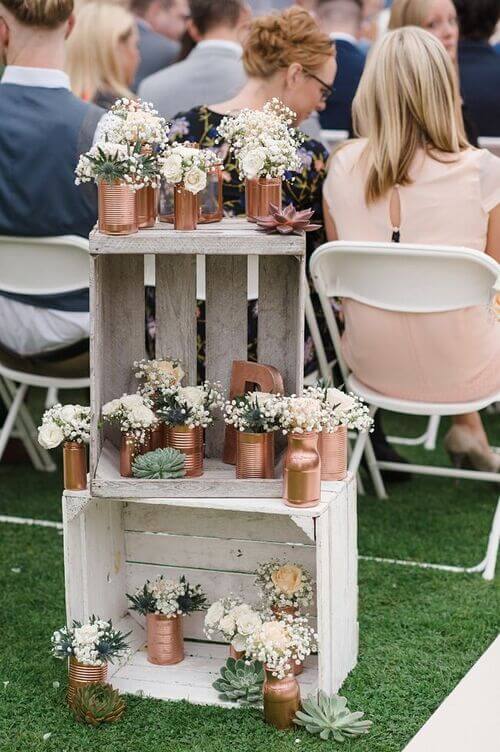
column 255, row 416
column 69, row 425
column 234, row 620
column 163, row 602
column 301, row 419
column 284, row 587
column 135, row 418
column 153, row 375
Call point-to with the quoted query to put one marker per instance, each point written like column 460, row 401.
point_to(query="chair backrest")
column 43, row 266
column 333, row 137
column 404, row 277
column 492, row 143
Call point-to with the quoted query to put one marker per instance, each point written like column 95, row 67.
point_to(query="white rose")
column 246, row 624
column 214, row 614
column 50, row 436
column 274, row 633
column 68, row 413
column 111, row 407
column 227, row 625
column 142, row 414
column 192, row 395
column 172, row 168
column 195, row 180
column 238, row 611
column 340, row 399
column 132, row 400
column 239, row 643
column 253, row 162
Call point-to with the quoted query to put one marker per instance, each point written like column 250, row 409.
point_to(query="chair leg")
column 51, row 397
column 312, row 323
column 374, row 471
column 11, row 417
column 432, row 432
column 359, row 480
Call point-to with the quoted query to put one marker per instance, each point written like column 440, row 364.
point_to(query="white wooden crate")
column 113, row 546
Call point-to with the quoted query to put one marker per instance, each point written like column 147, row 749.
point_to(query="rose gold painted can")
column 156, row 437
column 236, row 654
column 128, row 451
column 75, row 466
column 332, row 449
column 185, row 209
column 210, row 203
column 165, row 639
column 164, row 436
column 251, row 199
column 146, row 444
column 302, row 470
column 254, row 455
column 117, row 208
column 281, row 700
column 79, row 675
column 269, row 192
column 147, row 201
column 189, row 441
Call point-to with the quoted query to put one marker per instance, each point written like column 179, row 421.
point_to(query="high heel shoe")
column 466, row 450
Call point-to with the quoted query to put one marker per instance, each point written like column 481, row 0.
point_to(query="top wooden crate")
column 117, row 330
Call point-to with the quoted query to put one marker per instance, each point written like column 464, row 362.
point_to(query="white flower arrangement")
column 93, row 643
column 263, row 141
column 189, row 405
column 64, row 423
column 284, row 585
column 186, row 165
column 133, row 122
column 301, row 414
column 109, row 162
column 157, row 373
column 341, row 409
column 132, row 413
column 281, row 644
column 233, row 619
column 255, row 412
column 168, row 597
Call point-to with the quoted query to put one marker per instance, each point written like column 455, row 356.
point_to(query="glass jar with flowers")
column 255, row 416
column 234, row 620
column 135, row 418
column 68, row 425
column 301, row 420
column 153, row 374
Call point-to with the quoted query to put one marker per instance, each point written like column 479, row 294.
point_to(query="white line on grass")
column 29, row 521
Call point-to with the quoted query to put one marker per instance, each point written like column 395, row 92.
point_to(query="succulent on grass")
column 287, row 221
column 161, row 463
column 330, row 716
column 240, row 682
column 97, row 703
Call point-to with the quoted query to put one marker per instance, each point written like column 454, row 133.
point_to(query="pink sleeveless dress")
column 439, row 357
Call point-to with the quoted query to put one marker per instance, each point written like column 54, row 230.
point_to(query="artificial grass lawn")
column 420, row 630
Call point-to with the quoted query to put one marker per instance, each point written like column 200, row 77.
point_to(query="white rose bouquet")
column 341, row 409
column 301, row 414
column 93, row 643
column 281, row 644
column 186, row 165
column 233, row 619
column 132, row 413
column 64, row 423
column 283, row 585
column 255, row 412
column 168, row 597
column 157, row 373
column 189, row 405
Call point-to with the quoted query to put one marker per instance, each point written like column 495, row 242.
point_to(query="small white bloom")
column 50, row 436
column 214, row 614
column 16, row 570
column 46, row 737
column 252, row 163
column 68, row 413
column 192, row 395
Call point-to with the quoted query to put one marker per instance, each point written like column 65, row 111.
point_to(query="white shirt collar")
column 340, row 35
column 222, row 44
column 46, row 78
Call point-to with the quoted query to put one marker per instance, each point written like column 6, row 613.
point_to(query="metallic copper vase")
column 211, row 208
column 332, row 449
column 156, row 440
column 147, row 200
column 79, row 675
column 166, row 202
column 189, row 441
column 185, row 209
column 145, row 447
column 302, row 470
column 236, row 654
column 259, row 194
column 117, row 208
column 128, row 451
column 75, row 466
column 281, row 700
column 254, row 455
column 251, row 199
column 165, row 639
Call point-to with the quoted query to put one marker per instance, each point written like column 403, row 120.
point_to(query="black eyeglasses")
column 326, row 89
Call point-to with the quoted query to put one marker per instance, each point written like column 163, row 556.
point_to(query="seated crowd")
column 415, row 106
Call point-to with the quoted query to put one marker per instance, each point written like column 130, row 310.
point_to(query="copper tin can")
column 117, row 208
column 166, row 202
column 210, row 203
column 164, row 436
column 281, row 700
column 128, row 451
column 236, row 654
column 145, row 446
column 268, row 192
column 251, row 199
column 147, row 202
column 79, row 675
column 156, row 441
column 75, row 466
column 185, row 209
column 189, row 441
column 302, row 471
column 332, row 449
column 254, row 455
column 165, row 639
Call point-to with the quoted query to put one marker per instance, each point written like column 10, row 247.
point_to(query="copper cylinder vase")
column 79, row 675
column 302, row 470
column 332, row 449
column 211, row 208
column 189, row 441
column 166, row 201
column 156, row 437
column 185, row 209
column 165, row 639
column 251, row 199
column 254, row 455
column 281, row 700
column 117, row 208
column 75, row 466
column 147, row 201
column 128, row 451
column 238, row 655
column 268, row 192
column 145, row 446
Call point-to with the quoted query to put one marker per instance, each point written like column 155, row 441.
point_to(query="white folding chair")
column 410, row 279
column 332, row 138
column 492, row 143
column 37, row 266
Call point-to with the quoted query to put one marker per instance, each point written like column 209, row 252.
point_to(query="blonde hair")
column 48, row 14
column 92, row 61
column 408, row 13
column 408, row 99
column 277, row 40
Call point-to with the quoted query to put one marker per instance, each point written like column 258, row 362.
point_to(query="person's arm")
column 493, row 239
column 331, row 230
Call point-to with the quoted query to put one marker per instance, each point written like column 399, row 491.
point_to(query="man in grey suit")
column 213, row 71
column 161, row 25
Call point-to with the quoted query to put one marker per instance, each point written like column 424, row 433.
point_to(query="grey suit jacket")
column 208, row 75
column 157, row 52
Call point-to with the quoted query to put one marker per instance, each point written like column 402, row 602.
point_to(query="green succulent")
column 240, row 682
column 330, row 716
column 97, row 703
column 162, row 463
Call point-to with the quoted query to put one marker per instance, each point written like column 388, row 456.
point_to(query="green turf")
column 420, row 630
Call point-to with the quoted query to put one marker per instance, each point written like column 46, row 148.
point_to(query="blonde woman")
column 413, row 177
column 102, row 53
